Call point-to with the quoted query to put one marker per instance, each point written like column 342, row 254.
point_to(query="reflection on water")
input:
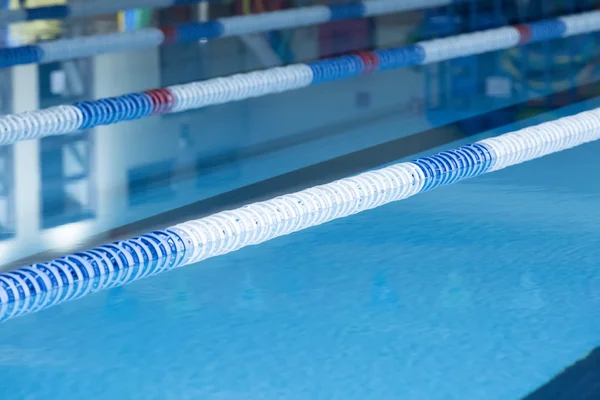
column 67, row 180
column 7, row 199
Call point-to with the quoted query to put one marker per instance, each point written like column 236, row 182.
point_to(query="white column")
column 26, row 171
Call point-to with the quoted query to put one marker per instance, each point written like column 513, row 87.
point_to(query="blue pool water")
column 485, row 289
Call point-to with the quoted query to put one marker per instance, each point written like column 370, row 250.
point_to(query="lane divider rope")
column 38, row 286
column 88, row 114
column 86, row 46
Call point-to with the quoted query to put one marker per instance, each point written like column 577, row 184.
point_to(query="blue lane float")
column 63, row 49
column 38, row 286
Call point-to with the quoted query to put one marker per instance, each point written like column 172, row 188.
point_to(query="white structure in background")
column 110, row 158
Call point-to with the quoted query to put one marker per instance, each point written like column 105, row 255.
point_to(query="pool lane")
column 483, row 289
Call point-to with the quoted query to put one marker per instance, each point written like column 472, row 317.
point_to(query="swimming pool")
column 485, row 288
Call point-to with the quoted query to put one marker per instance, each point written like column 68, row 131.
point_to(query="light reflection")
column 67, row 237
